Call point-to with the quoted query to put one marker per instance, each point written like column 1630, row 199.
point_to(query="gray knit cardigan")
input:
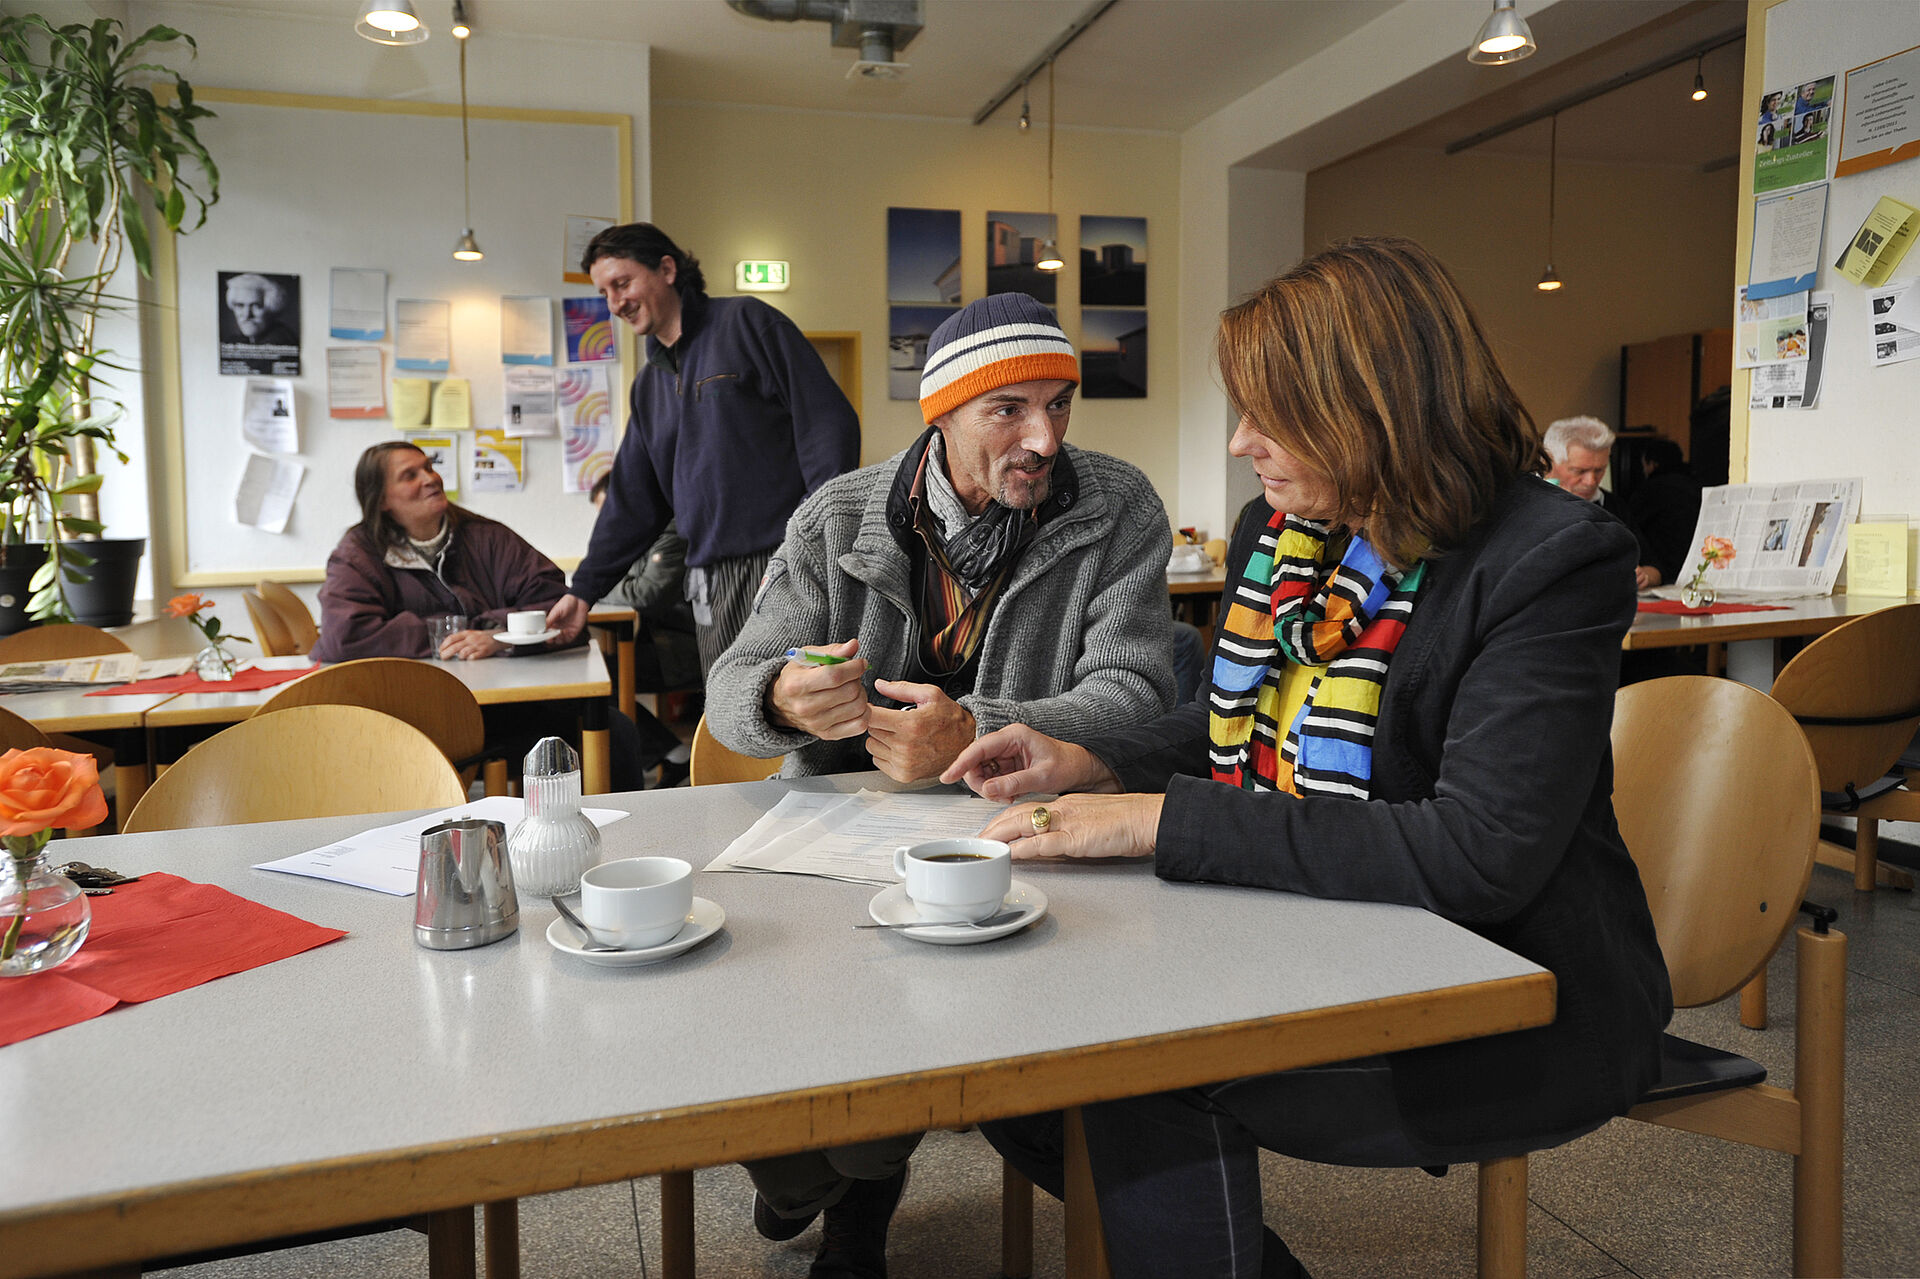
column 1079, row 642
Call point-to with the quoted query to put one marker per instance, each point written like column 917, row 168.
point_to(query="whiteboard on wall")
column 1864, row 423
column 309, row 184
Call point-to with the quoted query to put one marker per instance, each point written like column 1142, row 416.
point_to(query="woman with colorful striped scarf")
column 1409, row 702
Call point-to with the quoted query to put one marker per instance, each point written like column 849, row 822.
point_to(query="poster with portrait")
column 259, row 323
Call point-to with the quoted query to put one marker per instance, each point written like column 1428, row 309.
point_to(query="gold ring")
column 1042, row 820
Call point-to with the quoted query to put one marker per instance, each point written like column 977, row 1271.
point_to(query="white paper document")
column 1795, row 384
column 358, row 309
column 422, row 335
column 356, row 382
column 1788, row 539
column 33, row 677
column 269, row 421
column 529, row 409
column 1788, row 231
column 267, row 489
column 1895, row 308
column 526, row 331
column 387, row 858
column 851, row 837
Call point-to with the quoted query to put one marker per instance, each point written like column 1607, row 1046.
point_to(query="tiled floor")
column 1628, row 1200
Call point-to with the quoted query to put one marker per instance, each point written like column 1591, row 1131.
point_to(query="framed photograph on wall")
column 1113, row 354
column 1013, row 246
column 908, row 328
column 923, row 255
column 1113, row 261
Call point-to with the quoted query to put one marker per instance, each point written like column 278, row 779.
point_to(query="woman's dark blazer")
column 1492, row 807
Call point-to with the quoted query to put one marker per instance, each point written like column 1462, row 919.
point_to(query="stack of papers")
column 851, row 837
column 71, row 672
column 387, row 858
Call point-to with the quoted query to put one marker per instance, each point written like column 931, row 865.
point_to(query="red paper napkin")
column 152, row 938
column 242, row 682
column 1676, row 607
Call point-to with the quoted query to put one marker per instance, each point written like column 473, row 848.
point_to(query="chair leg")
column 1819, row 1084
column 450, row 1244
column 676, row 1225
column 494, row 776
column 1086, row 1238
column 1016, row 1223
column 502, row 1238
column 1866, row 853
column 1503, row 1218
column 1753, row 1002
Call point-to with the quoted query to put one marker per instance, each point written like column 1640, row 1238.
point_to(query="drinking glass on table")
column 443, row 626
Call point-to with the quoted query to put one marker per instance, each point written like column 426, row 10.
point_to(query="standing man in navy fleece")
column 734, row 420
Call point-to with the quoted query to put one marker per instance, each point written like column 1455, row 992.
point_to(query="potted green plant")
column 86, row 146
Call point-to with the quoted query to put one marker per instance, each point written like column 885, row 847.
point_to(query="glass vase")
column 215, row 663
column 1696, row 595
column 43, row 916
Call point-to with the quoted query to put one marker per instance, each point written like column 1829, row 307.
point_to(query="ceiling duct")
column 879, row 29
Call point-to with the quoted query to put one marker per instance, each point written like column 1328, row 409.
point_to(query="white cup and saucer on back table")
column 527, row 626
column 957, row 881
column 644, row 906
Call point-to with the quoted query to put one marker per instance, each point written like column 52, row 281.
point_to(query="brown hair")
column 370, row 489
column 1367, row 364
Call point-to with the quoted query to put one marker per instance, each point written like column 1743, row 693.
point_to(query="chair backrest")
column 59, row 639
column 1867, row 669
column 713, row 763
column 17, row 734
column 295, row 618
column 269, row 636
column 1715, row 792
column 309, row 761
column 427, row 697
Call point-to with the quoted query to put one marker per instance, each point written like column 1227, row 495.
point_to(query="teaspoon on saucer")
column 587, row 939
column 991, row 921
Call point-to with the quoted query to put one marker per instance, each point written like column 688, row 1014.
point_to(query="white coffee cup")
column 955, row 879
column 530, row 622
column 637, row 902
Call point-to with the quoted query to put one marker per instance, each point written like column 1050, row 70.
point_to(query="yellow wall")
column 1645, row 252
column 813, row 188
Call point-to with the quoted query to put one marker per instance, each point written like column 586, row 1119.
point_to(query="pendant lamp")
column 1550, row 281
column 466, row 249
column 1504, row 37
column 390, row 22
column 1049, row 258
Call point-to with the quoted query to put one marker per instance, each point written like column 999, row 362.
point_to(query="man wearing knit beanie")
column 988, row 575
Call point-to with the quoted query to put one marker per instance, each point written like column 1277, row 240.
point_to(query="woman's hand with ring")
column 1081, row 826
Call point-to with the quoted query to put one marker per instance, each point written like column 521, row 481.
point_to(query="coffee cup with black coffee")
column 959, row 880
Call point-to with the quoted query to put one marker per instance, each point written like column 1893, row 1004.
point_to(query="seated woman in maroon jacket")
column 414, row 556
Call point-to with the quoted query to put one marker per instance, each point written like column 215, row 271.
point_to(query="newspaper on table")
column 851, row 837
column 70, row 672
column 1788, row 539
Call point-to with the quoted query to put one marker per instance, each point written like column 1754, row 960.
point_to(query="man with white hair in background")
column 1579, row 447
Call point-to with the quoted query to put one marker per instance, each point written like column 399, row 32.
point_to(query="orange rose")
column 1716, row 551
column 187, row 605
column 43, row 788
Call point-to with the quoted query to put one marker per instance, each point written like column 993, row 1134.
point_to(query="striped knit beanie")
column 997, row 341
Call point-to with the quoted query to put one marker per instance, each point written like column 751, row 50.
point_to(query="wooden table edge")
column 1731, row 632
column 102, row 1230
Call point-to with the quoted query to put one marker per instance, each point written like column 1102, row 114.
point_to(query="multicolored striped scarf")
column 1286, row 609
column 954, row 605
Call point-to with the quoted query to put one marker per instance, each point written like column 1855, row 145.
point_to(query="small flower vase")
column 1696, row 595
column 215, row 663
column 43, row 916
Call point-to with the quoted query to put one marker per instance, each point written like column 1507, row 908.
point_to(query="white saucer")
column 539, row 637
column 703, row 921
column 891, row 906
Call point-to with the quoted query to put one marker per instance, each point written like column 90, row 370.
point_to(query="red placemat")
column 152, row 938
column 242, row 682
column 1676, row 607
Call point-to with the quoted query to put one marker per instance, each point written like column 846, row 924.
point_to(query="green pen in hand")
column 818, row 659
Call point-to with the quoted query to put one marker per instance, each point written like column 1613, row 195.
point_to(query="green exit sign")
column 760, row 277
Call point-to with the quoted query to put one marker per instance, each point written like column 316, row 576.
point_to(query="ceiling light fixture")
column 1504, row 37
column 390, row 22
column 466, row 248
column 1699, row 81
column 461, row 28
column 1550, row 281
column 1049, row 258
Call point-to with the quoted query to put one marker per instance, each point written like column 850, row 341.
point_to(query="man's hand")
column 567, row 617
column 469, row 646
column 1646, row 577
column 921, row 738
column 1020, row 760
column 827, row 702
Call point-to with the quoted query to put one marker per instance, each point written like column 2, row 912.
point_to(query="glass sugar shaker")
column 554, row 843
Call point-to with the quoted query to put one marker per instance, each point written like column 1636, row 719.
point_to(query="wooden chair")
column 713, row 763
column 295, row 618
column 1856, row 693
column 429, row 698
column 1716, row 794
column 306, row 761
column 269, row 635
column 19, row 734
column 59, row 639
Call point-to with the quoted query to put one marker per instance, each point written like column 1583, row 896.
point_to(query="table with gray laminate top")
column 370, row 1078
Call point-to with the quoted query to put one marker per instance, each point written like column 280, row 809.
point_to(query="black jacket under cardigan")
column 1492, row 807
